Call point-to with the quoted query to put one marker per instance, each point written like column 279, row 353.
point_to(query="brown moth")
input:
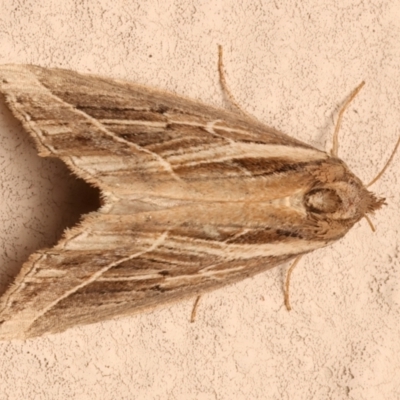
column 195, row 198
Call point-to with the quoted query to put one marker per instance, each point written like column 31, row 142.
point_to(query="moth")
column 194, row 198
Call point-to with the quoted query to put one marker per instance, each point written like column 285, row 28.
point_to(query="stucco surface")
column 290, row 64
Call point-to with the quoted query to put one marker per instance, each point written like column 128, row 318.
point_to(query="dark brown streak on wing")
column 86, row 91
column 253, row 167
column 107, row 299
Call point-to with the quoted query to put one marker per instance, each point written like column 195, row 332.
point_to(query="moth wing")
column 190, row 194
column 117, row 135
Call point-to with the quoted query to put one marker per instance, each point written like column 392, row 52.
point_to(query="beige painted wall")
column 290, row 64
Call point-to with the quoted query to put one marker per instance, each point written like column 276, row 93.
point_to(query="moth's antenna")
column 335, row 145
column 386, row 165
column 334, row 152
column 225, row 86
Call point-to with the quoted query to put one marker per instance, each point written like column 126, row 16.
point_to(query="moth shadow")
column 39, row 198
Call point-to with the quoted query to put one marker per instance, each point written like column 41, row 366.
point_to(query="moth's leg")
column 287, row 282
column 194, row 309
column 225, row 86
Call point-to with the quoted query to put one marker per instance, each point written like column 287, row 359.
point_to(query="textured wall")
column 290, row 65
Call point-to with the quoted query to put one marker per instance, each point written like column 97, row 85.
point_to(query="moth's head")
column 342, row 200
column 339, row 195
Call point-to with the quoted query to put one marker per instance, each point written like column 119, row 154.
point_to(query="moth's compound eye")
column 322, row 200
